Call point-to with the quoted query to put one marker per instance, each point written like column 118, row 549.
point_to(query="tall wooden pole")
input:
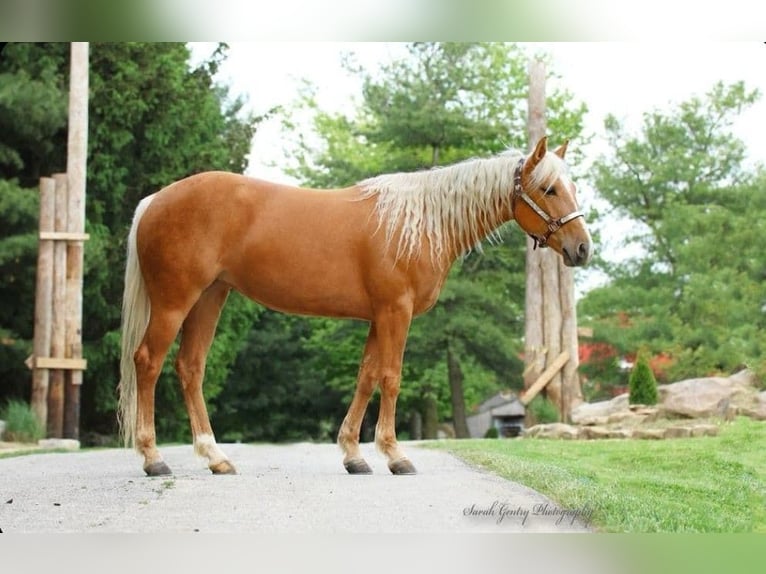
column 77, row 153
column 56, row 387
column 550, row 319
column 43, row 301
column 534, row 345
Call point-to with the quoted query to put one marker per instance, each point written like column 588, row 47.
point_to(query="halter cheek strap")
column 553, row 224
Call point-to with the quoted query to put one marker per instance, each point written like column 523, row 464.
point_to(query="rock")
column 756, row 409
column 705, row 397
column 678, row 432
column 552, row 430
column 652, row 434
column 598, row 413
column 594, row 432
column 619, row 433
column 59, row 443
column 705, row 430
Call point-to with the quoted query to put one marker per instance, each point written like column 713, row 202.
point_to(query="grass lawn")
column 705, row 484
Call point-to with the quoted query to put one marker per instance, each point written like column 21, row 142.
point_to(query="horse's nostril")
column 583, row 251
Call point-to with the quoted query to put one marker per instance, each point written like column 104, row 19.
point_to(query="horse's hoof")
column 157, row 469
column 402, row 466
column 357, row 466
column 223, row 467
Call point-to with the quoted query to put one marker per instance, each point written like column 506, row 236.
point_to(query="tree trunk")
column 416, row 425
column 430, row 417
column 455, row 376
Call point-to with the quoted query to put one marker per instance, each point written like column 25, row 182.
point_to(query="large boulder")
column 709, row 396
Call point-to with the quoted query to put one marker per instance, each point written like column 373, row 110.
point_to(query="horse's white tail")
column 136, row 309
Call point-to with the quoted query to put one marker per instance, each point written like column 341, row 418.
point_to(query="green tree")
column 152, row 120
column 643, row 385
column 441, row 103
column 693, row 290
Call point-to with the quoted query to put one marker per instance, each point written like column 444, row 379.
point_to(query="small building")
column 503, row 412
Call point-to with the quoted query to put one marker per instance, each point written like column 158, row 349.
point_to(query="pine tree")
column 643, row 385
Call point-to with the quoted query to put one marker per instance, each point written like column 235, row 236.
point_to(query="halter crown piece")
column 553, row 224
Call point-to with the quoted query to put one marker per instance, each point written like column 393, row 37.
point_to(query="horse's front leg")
column 393, row 325
column 367, row 380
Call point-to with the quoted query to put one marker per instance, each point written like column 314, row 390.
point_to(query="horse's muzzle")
column 577, row 256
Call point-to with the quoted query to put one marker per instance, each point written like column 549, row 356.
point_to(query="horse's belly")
column 303, row 292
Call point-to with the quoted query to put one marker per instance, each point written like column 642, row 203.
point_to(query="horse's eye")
column 548, row 190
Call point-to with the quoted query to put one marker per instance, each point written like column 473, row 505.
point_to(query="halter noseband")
column 553, row 224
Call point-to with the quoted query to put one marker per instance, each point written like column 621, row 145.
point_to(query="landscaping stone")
column 678, row 432
column 651, row 434
column 598, row 413
column 706, row 397
column 595, row 432
column 705, row 430
column 59, row 443
column 552, row 430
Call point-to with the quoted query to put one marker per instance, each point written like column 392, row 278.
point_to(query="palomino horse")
column 378, row 251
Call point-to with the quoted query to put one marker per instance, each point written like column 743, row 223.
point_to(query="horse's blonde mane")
column 454, row 206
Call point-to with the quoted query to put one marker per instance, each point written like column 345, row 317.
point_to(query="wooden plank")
column 59, row 363
column 64, row 236
column 544, row 378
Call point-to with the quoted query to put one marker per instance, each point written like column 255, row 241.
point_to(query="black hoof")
column 357, row 466
column 223, row 467
column 158, row 469
column 402, row 466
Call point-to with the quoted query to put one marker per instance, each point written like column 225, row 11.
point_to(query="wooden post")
column 55, row 427
column 550, row 318
column 534, row 346
column 77, row 151
column 43, row 301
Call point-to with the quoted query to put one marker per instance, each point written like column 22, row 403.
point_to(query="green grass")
column 705, row 484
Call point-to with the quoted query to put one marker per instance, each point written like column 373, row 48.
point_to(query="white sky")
column 623, row 79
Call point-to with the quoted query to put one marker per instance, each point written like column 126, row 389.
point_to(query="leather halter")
column 553, row 224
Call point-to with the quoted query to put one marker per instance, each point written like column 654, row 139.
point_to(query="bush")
column 643, row 385
column 491, row 433
column 543, row 411
column 21, row 425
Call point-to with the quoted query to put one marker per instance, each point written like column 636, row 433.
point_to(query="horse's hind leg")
column 348, row 436
column 160, row 333
column 196, row 337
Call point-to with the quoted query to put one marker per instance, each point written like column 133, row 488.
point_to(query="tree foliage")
column 694, row 289
column 152, row 120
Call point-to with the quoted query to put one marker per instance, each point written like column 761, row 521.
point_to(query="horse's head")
column 545, row 205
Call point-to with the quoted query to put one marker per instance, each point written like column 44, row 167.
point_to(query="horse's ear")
column 538, row 153
column 562, row 149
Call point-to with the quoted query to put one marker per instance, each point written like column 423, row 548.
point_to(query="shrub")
column 543, row 411
column 21, row 425
column 643, row 385
column 491, row 433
